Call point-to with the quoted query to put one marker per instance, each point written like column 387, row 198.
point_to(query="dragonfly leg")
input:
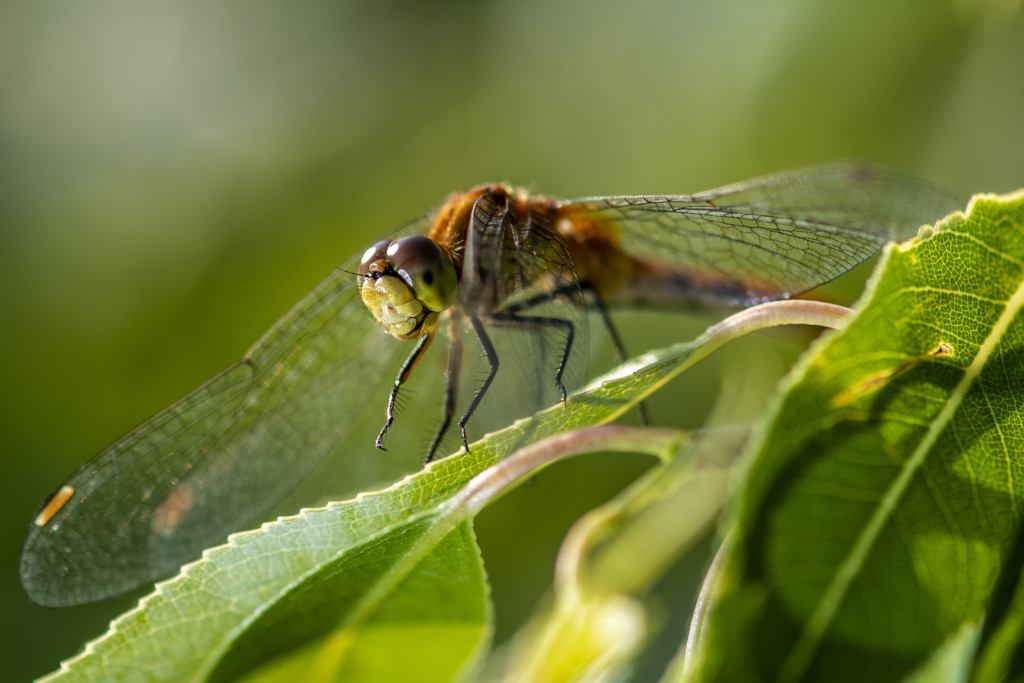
column 530, row 321
column 450, row 384
column 602, row 310
column 620, row 348
column 537, row 300
column 492, row 363
column 509, row 316
column 403, row 375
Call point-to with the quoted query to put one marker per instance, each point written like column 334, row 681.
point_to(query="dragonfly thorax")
column 406, row 284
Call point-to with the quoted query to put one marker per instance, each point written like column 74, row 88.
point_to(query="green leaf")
column 348, row 571
column 887, row 488
column 436, row 614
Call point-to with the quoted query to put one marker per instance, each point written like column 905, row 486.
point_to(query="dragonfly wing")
column 770, row 237
column 217, row 460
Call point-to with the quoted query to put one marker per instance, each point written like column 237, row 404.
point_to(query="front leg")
column 492, row 363
column 403, row 375
column 450, row 386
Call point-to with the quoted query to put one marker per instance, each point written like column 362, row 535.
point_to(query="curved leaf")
column 889, row 485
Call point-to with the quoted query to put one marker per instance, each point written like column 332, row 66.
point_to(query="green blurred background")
column 174, row 176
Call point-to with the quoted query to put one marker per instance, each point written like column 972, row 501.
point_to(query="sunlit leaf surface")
column 889, row 488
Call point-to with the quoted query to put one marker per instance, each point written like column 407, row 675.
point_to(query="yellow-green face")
column 406, row 284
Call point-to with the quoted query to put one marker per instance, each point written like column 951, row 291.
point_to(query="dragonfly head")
column 406, row 284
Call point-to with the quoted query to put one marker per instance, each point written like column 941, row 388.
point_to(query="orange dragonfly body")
column 489, row 260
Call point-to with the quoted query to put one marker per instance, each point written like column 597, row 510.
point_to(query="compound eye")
column 427, row 269
column 373, row 255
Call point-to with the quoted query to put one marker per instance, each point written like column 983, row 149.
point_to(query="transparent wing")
column 217, row 460
column 766, row 238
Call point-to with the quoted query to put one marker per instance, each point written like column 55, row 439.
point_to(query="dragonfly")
column 492, row 263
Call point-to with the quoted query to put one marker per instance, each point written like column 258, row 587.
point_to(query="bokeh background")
column 173, row 176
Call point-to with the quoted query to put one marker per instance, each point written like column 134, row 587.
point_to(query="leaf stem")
column 773, row 313
column 762, row 316
column 495, row 480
